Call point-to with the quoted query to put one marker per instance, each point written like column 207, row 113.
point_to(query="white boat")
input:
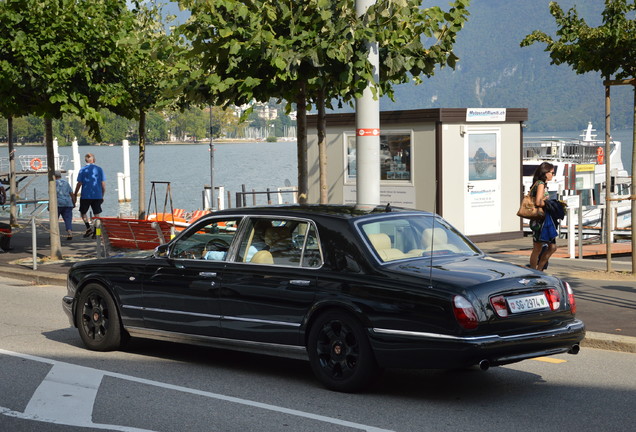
column 579, row 166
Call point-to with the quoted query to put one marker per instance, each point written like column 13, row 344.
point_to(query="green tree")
column 190, row 124
column 311, row 51
column 157, row 127
column 222, row 120
column 609, row 49
column 66, row 56
column 148, row 76
column 116, row 128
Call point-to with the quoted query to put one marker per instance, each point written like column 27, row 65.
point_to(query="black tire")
column 98, row 319
column 340, row 354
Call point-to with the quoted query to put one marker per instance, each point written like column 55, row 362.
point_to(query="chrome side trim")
column 261, row 321
column 167, row 311
column 576, row 325
column 221, row 317
column 290, row 351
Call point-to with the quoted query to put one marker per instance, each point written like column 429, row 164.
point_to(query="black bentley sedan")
column 353, row 290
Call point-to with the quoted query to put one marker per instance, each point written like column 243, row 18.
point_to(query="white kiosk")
column 462, row 163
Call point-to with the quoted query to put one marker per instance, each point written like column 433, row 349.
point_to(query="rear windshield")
column 411, row 236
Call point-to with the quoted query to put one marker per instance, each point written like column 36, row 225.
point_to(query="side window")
column 312, row 257
column 280, row 242
column 208, row 241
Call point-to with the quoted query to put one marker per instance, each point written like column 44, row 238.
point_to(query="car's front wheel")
column 98, row 319
column 340, row 354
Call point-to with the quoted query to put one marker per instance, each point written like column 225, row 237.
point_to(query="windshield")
column 409, row 236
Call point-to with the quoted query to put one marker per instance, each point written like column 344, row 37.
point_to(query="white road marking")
column 67, row 394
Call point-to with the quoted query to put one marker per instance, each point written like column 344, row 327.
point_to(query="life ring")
column 36, row 164
column 600, row 156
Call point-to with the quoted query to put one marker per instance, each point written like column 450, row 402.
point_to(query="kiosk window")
column 395, row 157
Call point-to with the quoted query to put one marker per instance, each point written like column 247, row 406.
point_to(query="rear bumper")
column 396, row 348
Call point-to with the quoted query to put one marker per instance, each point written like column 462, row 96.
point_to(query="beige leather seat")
column 434, row 239
column 382, row 244
column 262, row 257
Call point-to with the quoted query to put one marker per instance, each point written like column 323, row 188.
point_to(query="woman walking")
column 542, row 250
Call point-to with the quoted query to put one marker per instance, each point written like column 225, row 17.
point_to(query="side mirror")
column 161, row 251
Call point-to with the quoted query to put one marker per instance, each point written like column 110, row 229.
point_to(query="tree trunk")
column 13, row 208
column 54, row 227
column 142, row 164
column 301, row 138
column 322, row 146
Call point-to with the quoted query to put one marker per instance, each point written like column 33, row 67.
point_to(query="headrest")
column 380, row 241
column 432, row 236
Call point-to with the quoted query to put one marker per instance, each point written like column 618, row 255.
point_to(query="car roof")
column 343, row 211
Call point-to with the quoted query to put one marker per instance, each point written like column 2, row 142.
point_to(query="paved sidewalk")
column 606, row 303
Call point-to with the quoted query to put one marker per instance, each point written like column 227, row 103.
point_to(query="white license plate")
column 524, row 303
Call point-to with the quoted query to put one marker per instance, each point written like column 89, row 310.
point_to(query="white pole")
column 56, row 154
column 127, row 195
column 34, row 243
column 120, row 188
column 571, row 242
column 77, row 163
column 368, row 131
column 221, row 198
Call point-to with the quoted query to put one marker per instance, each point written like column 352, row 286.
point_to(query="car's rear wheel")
column 98, row 319
column 340, row 354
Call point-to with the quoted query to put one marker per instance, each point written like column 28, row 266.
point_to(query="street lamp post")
column 368, row 130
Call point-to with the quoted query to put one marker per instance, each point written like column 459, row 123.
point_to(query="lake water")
column 257, row 165
column 187, row 167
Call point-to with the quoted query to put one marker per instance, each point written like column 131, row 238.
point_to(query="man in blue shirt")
column 92, row 182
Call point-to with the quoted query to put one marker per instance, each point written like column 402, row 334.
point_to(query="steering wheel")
column 217, row 244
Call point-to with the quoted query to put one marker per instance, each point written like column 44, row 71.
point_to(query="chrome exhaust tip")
column 484, row 365
column 575, row 349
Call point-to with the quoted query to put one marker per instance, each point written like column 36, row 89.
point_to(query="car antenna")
column 388, row 209
column 430, row 267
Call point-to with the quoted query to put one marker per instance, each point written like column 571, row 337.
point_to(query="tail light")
column 554, row 298
column 571, row 299
column 465, row 313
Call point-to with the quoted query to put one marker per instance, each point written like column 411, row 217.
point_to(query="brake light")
column 464, row 313
column 571, row 299
column 554, row 299
column 499, row 305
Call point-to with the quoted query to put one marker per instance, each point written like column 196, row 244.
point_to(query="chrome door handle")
column 300, row 282
column 207, row 274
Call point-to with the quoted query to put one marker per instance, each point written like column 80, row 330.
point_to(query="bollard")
column 34, row 243
column 99, row 250
column 220, row 205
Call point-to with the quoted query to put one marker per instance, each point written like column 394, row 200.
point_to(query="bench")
column 137, row 234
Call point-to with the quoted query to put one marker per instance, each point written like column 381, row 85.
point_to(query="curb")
column 36, row 277
column 609, row 342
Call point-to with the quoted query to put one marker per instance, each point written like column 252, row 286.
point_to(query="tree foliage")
column 312, row 51
column 259, row 49
column 60, row 57
column 609, row 48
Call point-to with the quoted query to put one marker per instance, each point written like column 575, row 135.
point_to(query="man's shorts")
column 94, row 204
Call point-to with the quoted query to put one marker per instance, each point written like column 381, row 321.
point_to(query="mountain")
column 494, row 71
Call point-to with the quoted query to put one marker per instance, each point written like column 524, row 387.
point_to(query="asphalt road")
column 49, row 382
